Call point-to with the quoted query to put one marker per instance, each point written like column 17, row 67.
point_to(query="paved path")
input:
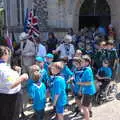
column 106, row 111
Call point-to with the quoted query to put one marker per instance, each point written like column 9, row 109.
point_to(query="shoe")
column 23, row 115
column 90, row 112
column 76, row 111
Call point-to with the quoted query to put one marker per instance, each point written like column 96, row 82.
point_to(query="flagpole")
column 6, row 16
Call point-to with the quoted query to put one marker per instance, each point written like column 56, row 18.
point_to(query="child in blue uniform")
column 88, row 86
column 66, row 73
column 59, row 97
column 43, row 72
column 78, row 72
column 104, row 74
column 37, row 92
column 49, row 59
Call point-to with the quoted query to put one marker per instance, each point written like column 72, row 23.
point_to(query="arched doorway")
column 94, row 13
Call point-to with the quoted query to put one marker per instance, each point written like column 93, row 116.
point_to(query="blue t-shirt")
column 44, row 76
column 88, row 77
column 77, row 78
column 107, row 72
column 37, row 92
column 59, row 88
column 66, row 73
column 46, row 67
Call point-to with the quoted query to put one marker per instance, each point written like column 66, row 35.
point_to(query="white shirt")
column 66, row 53
column 29, row 49
column 7, row 79
column 41, row 51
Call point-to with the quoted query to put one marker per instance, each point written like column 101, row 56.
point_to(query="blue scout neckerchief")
column 2, row 61
column 79, row 72
column 67, row 49
column 38, row 83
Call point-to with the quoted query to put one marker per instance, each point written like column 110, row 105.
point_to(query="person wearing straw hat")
column 27, row 51
column 66, row 49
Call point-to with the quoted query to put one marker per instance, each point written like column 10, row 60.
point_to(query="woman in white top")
column 10, row 86
column 66, row 49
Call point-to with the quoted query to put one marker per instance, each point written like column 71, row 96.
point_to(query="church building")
column 59, row 15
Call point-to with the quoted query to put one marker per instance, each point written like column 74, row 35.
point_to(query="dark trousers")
column 39, row 114
column 8, row 106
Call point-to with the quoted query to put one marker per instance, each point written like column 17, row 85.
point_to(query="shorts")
column 86, row 100
column 40, row 114
column 59, row 109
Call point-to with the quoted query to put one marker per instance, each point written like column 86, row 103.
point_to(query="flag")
column 31, row 24
column 9, row 42
column 26, row 20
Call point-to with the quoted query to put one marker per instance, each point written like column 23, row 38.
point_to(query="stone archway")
column 76, row 9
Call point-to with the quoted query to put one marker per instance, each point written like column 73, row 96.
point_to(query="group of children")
column 56, row 78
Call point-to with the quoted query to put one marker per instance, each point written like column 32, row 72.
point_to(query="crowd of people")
column 55, row 69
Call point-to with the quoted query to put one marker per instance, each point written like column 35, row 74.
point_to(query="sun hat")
column 23, row 36
column 49, row 55
column 39, row 59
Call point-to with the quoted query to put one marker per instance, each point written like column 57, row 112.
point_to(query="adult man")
column 27, row 52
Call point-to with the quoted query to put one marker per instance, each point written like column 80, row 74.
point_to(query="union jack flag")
column 31, row 24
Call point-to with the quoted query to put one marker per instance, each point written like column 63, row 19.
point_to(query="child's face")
column 109, row 47
column 105, row 64
column 102, row 46
column 36, row 76
column 55, row 70
column 84, row 63
column 76, row 64
column 40, row 64
column 49, row 60
column 78, row 54
column 35, row 68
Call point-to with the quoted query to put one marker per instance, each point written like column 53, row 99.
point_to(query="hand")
column 17, row 68
column 24, row 77
column 54, row 51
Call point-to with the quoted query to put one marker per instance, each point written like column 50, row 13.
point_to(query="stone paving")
column 106, row 111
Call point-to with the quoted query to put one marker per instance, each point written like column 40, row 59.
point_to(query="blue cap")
column 49, row 55
column 39, row 59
